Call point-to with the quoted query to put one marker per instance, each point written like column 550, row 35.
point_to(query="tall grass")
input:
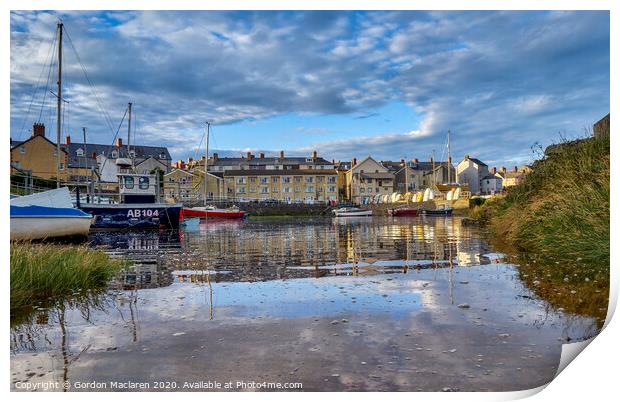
column 560, row 212
column 43, row 271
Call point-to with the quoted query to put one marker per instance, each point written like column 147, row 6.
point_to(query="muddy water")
column 361, row 304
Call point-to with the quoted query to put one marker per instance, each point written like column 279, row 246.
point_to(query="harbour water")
column 375, row 303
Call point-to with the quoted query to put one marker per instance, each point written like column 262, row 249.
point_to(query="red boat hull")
column 192, row 213
column 403, row 212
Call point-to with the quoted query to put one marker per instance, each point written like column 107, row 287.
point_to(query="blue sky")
column 348, row 84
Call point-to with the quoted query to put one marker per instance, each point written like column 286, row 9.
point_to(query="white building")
column 470, row 172
column 491, row 184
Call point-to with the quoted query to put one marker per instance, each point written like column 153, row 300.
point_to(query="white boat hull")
column 355, row 213
column 36, row 227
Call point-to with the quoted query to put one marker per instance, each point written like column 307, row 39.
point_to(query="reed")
column 43, row 271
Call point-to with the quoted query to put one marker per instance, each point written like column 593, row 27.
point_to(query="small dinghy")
column 212, row 212
column 46, row 215
column 352, row 211
column 441, row 211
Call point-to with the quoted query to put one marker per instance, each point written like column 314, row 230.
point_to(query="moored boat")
column 403, row 211
column 36, row 222
column 443, row 210
column 210, row 211
column 351, row 212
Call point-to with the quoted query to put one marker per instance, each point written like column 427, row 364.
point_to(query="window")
column 22, row 150
column 297, row 179
column 331, row 189
column 274, row 179
column 252, row 179
column 362, row 190
column 286, row 189
column 114, row 154
column 241, row 190
column 331, row 179
column 286, row 180
column 241, row 180
column 143, row 183
column 264, row 190
column 275, row 190
column 370, row 189
column 264, row 180
column 132, row 154
column 62, row 166
column 309, row 189
column 129, row 182
column 309, row 179
column 183, row 180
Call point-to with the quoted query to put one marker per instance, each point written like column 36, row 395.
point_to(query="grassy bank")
column 560, row 212
column 43, row 271
column 556, row 222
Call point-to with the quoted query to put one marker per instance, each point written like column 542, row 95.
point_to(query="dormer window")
column 79, row 152
column 22, row 150
column 114, row 154
column 162, row 156
column 132, row 154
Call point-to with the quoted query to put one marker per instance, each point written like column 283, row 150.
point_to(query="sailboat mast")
column 449, row 159
column 59, row 104
column 206, row 160
column 434, row 173
column 129, row 131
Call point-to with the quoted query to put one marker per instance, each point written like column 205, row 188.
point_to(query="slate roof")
column 142, row 152
column 272, row 160
column 280, row 172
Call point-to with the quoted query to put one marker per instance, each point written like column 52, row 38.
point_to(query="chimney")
column 189, row 161
column 281, row 154
column 215, row 156
column 494, row 170
column 315, row 155
column 466, row 157
column 354, row 162
column 450, row 160
column 503, row 169
column 431, row 160
column 333, row 161
column 416, row 161
column 94, row 155
column 119, row 142
column 38, row 129
column 262, row 155
column 68, row 140
column 250, row 156
column 402, row 162
column 516, row 169
column 182, row 165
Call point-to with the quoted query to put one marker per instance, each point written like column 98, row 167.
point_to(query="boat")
column 351, row 211
column 403, row 211
column 137, row 208
column 46, row 215
column 442, row 211
column 35, row 222
column 210, row 211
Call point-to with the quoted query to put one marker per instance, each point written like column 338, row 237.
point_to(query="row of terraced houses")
column 293, row 179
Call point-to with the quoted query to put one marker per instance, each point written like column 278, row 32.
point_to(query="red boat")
column 404, row 211
column 213, row 212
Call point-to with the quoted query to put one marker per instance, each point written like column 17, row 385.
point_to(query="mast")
column 129, row 132
column 406, row 181
column 59, row 104
column 449, row 159
column 206, row 160
column 434, row 173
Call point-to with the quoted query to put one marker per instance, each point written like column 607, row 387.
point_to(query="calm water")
column 335, row 304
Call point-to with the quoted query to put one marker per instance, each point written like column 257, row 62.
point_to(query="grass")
column 40, row 272
column 560, row 212
column 557, row 225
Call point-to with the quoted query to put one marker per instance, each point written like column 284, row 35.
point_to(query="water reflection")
column 320, row 291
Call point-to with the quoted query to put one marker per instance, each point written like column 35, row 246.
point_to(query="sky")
column 347, row 84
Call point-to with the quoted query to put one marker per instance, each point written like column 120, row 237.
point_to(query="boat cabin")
column 137, row 188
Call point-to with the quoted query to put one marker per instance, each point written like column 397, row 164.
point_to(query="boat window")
column 143, row 183
column 129, row 182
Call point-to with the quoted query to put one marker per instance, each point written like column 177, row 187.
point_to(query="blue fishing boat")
column 137, row 208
